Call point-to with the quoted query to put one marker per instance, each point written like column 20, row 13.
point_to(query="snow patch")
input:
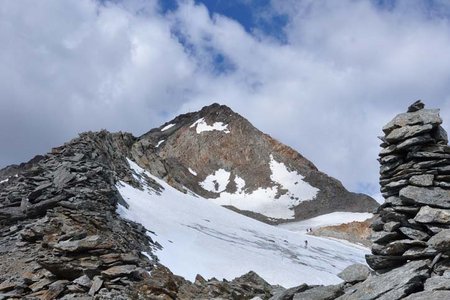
column 192, row 172
column 167, row 127
column 216, row 182
column 330, row 219
column 264, row 200
column 4, row 180
column 240, row 184
column 159, row 143
column 199, row 237
column 201, row 126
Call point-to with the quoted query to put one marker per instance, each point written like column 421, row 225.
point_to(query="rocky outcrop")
column 60, row 234
column 61, row 238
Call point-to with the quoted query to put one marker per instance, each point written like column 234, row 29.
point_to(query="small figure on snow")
column 306, row 244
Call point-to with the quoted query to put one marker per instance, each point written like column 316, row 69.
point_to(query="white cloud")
column 346, row 68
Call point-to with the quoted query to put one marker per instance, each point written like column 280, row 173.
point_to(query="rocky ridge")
column 61, row 236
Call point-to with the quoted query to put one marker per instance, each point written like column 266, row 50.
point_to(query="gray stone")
column 408, row 210
column 418, row 140
column 401, row 133
column 88, row 243
column 394, row 200
column 388, row 150
column 382, row 237
column 400, row 246
column 39, row 285
column 321, row 293
column 444, row 185
column 441, row 241
column 96, row 285
column 428, row 214
column 440, row 135
column 54, row 290
column 355, row 273
column 435, row 228
column 382, row 262
column 423, row 116
column 84, row 281
column 397, row 184
column 422, row 180
column 391, row 226
column 62, row 176
column 429, row 295
column 392, row 285
column 419, row 252
column 417, row 105
column 437, row 283
column 117, row 271
column 428, row 155
column 289, row 293
column 390, row 159
column 427, row 196
column 414, row 234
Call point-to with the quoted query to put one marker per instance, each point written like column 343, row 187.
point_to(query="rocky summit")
column 219, row 155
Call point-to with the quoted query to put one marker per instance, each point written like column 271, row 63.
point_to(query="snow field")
column 200, row 237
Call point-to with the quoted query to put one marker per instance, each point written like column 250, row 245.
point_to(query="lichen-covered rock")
column 428, row 214
column 440, row 241
column 392, row 285
column 355, row 273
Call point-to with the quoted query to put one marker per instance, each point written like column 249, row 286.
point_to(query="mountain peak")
column 218, row 154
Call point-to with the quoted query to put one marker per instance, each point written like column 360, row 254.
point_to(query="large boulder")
column 355, row 273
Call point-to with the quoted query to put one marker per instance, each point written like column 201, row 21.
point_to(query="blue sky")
column 322, row 76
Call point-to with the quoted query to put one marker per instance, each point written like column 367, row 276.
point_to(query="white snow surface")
column 192, row 172
column 216, row 182
column 330, row 219
column 4, row 180
column 201, row 126
column 167, row 127
column 199, row 237
column 159, row 143
column 263, row 200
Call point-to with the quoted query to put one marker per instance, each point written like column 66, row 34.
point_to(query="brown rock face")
column 245, row 152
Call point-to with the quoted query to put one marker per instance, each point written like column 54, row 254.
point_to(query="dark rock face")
column 245, row 152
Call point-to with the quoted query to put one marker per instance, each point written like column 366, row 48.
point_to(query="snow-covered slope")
column 267, row 201
column 200, row 237
column 335, row 218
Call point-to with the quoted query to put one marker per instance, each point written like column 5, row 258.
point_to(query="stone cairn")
column 414, row 221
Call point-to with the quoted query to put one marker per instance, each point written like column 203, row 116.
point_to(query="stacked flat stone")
column 415, row 182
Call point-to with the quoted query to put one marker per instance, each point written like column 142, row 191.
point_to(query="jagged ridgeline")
column 61, row 235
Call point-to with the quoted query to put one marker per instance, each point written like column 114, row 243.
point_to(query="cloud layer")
column 341, row 71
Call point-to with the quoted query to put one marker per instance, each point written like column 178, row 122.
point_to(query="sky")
column 320, row 76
